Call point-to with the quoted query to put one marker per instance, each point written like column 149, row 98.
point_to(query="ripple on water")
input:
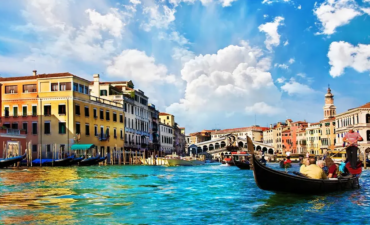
column 165, row 195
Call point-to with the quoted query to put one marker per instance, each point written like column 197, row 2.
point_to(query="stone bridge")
column 217, row 146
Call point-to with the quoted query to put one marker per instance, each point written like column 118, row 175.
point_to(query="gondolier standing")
column 352, row 138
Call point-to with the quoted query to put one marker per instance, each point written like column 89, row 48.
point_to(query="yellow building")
column 328, row 137
column 67, row 114
column 167, row 119
column 313, row 138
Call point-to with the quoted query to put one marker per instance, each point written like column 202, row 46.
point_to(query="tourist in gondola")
column 332, row 168
column 352, row 138
column 305, row 164
column 287, row 160
column 313, row 171
column 321, row 164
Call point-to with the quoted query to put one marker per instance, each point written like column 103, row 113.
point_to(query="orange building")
column 294, row 129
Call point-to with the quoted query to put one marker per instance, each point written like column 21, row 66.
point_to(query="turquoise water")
column 210, row 194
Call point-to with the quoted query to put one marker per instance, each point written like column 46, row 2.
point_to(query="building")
column 58, row 111
column 154, row 143
column 167, row 119
column 270, row 136
column 313, row 138
column 328, row 137
column 296, row 127
column 197, row 137
column 357, row 119
column 301, row 141
column 254, row 132
column 179, row 140
column 280, row 127
column 166, row 138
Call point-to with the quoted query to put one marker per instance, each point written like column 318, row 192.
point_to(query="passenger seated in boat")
column 305, row 164
column 332, row 168
column 287, row 160
column 313, row 171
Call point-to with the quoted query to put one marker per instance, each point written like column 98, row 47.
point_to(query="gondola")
column 11, row 161
column 281, row 181
column 101, row 159
column 287, row 165
column 241, row 160
column 75, row 161
column 243, row 165
column 59, row 162
column 89, row 161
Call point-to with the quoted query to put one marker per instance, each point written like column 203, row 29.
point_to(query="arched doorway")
column 240, row 144
column 223, row 144
column 211, row 147
column 217, row 145
column 271, row 151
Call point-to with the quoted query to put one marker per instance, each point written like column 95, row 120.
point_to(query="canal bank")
column 165, row 195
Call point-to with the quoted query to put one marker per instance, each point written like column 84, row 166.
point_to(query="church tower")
column 329, row 108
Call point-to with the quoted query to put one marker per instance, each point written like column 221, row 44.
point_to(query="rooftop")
column 40, row 76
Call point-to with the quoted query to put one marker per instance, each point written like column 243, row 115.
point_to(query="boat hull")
column 11, row 161
column 280, row 181
column 181, row 162
column 242, row 166
column 89, row 161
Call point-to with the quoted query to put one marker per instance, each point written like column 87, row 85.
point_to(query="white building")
column 166, row 138
column 359, row 120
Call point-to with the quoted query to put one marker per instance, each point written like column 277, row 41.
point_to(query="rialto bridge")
column 219, row 145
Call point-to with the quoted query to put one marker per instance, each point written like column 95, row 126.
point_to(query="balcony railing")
column 103, row 137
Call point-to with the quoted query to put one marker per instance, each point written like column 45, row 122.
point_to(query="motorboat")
column 183, row 161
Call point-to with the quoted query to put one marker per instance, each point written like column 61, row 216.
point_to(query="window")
column 101, row 114
column 48, row 148
column 168, row 117
column 62, row 109
column 34, row 148
column 86, row 90
column 34, row 110
column 107, row 115
column 15, row 111
column 77, row 108
column 121, row 134
column 66, row 86
column 54, row 86
column 367, row 118
column 368, row 135
column 75, row 87
column 107, row 131
column 47, row 110
column 62, row 127
column 34, row 128
column 125, row 107
column 115, row 133
column 15, row 125
column 121, row 118
column 12, row 89
column 24, row 127
column 96, row 130
column 87, row 129
column 81, row 88
column 87, row 114
column 103, row 93
column 24, row 111
column 29, row 88
column 114, row 117
column 47, row 127
column 6, row 111
column 95, row 114
column 78, row 129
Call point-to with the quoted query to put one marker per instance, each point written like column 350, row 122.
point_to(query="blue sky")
column 212, row 63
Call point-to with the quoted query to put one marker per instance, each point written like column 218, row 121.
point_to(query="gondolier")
column 352, row 138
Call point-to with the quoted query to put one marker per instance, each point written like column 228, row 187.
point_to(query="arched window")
column 368, row 135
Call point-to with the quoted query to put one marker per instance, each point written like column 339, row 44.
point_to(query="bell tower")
column 329, row 107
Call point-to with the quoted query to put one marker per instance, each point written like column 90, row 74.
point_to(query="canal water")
column 210, row 194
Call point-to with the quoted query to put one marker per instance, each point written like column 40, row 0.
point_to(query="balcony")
column 103, row 137
column 117, row 97
column 13, row 132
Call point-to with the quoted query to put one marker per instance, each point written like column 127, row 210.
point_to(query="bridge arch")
column 264, row 150
column 205, row 148
column 223, row 144
column 240, row 144
column 245, row 145
column 199, row 149
column 217, row 145
column 258, row 148
column 271, row 151
column 211, row 147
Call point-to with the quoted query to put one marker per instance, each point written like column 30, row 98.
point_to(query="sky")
column 214, row 64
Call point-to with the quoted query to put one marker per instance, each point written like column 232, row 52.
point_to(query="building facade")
column 166, row 138
column 313, row 138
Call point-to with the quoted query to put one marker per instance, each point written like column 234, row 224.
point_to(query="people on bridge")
column 313, row 171
column 352, row 139
column 332, row 168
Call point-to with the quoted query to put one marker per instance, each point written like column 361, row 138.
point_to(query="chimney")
column 96, row 78
column 35, row 72
column 270, row 125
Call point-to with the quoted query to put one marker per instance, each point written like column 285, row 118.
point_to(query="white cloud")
column 293, row 87
column 263, row 109
column 281, row 80
column 335, row 13
column 135, row 2
column 226, row 3
column 234, row 78
column 271, row 30
column 174, row 36
column 366, row 10
column 303, row 75
column 343, row 54
column 282, row 66
column 182, row 54
column 291, row 60
column 286, row 43
column 157, row 18
column 265, row 16
column 273, row 1
column 299, row 7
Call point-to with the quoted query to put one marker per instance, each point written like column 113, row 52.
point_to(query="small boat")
column 229, row 161
column 184, row 161
column 11, row 161
column 89, row 161
column 75, row 161
column 281, row 181
column 42, row 162
column 101, row 159
column 287, row 165
column 241, row 160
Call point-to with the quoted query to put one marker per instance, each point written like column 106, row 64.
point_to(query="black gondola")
column 59, row 162
column 101, row 159
column 281, row 181
column 287, row 165
column 89, row 161
column 241, row 161
column 11, row 161
column 243, row 165
column 75, row 161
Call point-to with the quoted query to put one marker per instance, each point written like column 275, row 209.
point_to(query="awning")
column 81, row 146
